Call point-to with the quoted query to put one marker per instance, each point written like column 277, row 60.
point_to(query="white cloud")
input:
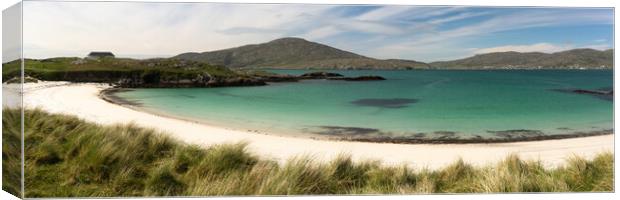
column 437, row 11
column 600, row 40
column 371, row 27
column 456, row 17
column 383, row 13
column 515, row 21
column 538, row 47
column 322, row 32
column 598, row 46
column 425, row 53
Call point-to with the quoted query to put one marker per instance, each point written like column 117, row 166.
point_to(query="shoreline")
column 82, row 100
column 109, row 96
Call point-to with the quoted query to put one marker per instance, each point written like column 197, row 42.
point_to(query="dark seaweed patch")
column 518, row 133
column 248, row 97
column 606, row 93
column 446, row 135
column 110, row 95
column 347, row 131
column 385, row 103
column 419, row 135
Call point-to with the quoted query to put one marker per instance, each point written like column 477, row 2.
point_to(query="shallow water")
column 417, row 104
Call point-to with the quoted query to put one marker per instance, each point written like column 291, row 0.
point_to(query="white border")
column 556, row 3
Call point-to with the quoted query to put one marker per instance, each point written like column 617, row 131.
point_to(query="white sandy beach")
column 82, row 100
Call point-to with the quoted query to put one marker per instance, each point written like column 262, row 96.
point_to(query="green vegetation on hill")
column 296, row 53
column 112, row 69
column 571, row 59
column 68, row 157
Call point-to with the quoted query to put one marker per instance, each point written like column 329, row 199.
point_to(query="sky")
column 144, row 30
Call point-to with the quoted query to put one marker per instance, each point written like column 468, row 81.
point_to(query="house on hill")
column 99, row 54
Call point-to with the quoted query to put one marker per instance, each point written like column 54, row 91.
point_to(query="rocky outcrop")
column 147, row 80
column 156, row 79
column 596, row 92
column 153, row 79
column 359, row 78
column 278, row 78
column 319, row 75
column 236, row 81
column 316, row 75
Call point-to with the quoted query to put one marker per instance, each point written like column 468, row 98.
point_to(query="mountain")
column 571, row 59
column 296, row 53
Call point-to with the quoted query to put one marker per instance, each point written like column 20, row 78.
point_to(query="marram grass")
column 68, row 157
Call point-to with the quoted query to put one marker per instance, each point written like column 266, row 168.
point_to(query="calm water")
column 470, row 103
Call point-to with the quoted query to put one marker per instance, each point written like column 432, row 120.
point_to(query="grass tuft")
column 163, row 182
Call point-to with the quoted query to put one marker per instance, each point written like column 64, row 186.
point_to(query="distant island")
column 571, row 59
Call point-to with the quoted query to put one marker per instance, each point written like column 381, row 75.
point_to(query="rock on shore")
column 319, row 75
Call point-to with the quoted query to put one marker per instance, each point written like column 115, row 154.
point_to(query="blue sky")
column 427, row 34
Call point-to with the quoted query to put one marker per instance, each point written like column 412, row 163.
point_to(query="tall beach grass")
column 68, row 157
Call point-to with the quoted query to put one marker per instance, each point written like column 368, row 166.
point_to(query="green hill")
column 295, row 53
column 571, row 59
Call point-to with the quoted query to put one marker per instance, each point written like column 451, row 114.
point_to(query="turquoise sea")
column 413, row 103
